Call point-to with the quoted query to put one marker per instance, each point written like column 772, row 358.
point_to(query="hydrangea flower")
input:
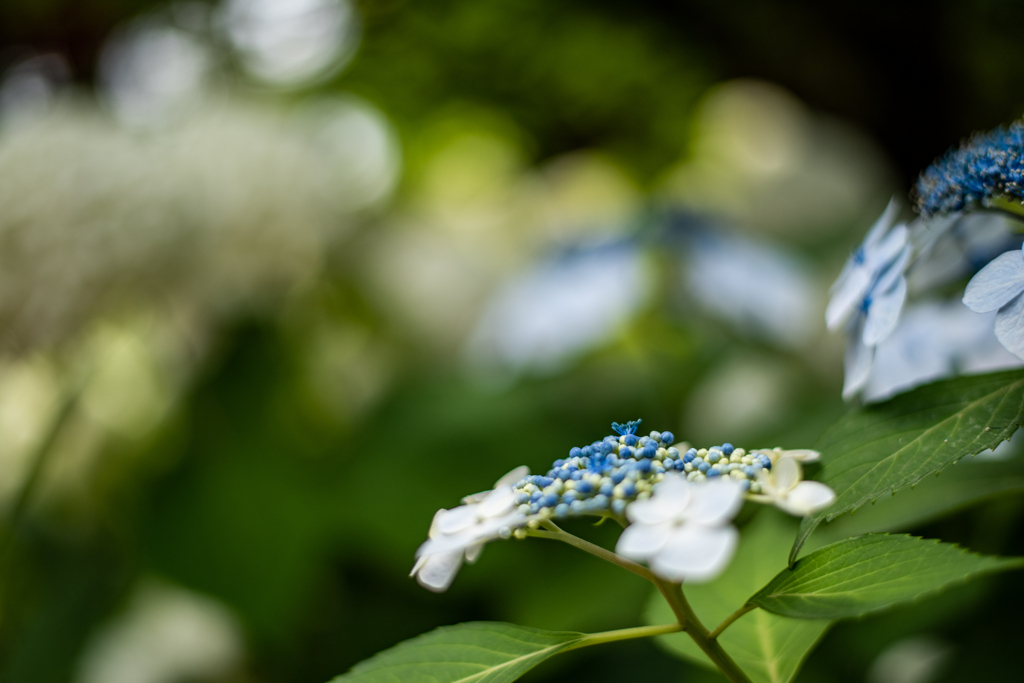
column 608, row 478
column 935, row 340
column 986, row 166
column 683, row 531
column 459, row 534
column 998, row 287
column 784, row 487
column 869, row 293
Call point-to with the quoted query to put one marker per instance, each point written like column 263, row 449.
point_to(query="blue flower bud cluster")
column 987, row 165
column 607, row 475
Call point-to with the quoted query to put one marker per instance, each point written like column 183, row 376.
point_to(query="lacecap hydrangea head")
column 987, row 166
column 603, row 479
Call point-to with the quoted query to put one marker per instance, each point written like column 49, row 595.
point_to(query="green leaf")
column 969, row 483
column 477, row 652
column 882, row 448
column 769, row 648
column 870, row 573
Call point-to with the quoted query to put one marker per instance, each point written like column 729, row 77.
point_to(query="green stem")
column 41, row 454
column 623, row 634
column 731, row 618
column 1006, row 205
column 672, row 592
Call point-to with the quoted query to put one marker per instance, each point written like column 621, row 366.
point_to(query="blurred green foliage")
column 293, row 484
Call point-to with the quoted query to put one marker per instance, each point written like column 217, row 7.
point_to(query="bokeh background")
column 279, row 278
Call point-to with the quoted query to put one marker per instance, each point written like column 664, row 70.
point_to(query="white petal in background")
column 546, row 316
column 856, row 361
column 934, row 340
column 166, row 634
column 996, row 284
column 30, row 86
column 761, row 289
column 292, row 42
column 152, row 70
column 1010, row 326
column 884, row 313
column 848, row 292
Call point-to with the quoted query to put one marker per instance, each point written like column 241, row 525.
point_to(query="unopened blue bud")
column 703, row 466
column 584, row 487
column 629, row 488
column 668, row 437
column 649, row 451
column 522, row 497
column 606, row 488
column 618, row 475
column 618, row 506
column 576, row 475
column 626, row 452
column 561, row 510
column 714, row 455
column 727, row 448
column 544, row 482
column 630, row 440
column 599, row 502
column 713, row 472
column 575, row 452
column 577, row 507
column 548, row 501
column 568, row 496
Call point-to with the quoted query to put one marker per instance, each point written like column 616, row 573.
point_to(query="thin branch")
column 624, row 634
column 731, row 618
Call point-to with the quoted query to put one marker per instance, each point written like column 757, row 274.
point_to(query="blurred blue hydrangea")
column 987, row 165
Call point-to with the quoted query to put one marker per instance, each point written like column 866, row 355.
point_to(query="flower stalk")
column 687, row 620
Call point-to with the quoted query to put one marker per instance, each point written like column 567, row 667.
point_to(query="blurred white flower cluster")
column 223, row 210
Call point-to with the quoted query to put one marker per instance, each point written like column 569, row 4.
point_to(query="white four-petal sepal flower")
column 684, row 530
column 459, row 534
column 883, row 244
column 799, row 454
column 509, row 479
column 998, row 287
column 784, row 486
